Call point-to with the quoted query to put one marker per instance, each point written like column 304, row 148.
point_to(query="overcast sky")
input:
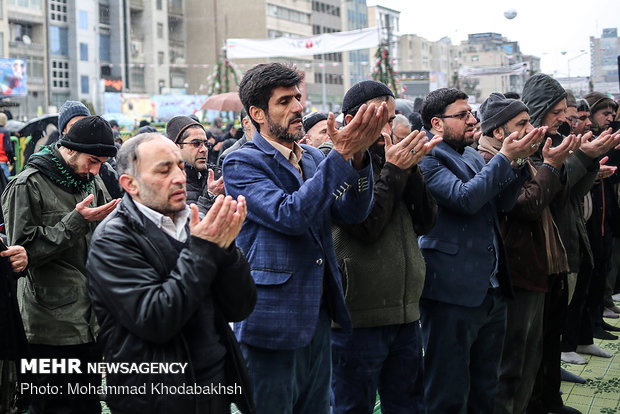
column 543, row 28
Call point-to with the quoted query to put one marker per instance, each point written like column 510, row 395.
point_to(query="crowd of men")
column 449, row 268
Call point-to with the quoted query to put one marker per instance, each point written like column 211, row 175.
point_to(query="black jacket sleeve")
column 128, row 276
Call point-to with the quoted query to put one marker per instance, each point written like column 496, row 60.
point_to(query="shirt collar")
column 173, row 227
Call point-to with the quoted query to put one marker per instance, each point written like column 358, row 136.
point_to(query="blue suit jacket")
column 287, row 237
column 459, row 251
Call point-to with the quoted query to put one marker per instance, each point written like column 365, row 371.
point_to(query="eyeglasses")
column 196, row 143
column 575, row 120
column 460, row 116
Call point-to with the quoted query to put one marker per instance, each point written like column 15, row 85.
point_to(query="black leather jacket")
column 144, row 293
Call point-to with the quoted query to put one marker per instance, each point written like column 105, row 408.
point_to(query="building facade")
column 604, row 63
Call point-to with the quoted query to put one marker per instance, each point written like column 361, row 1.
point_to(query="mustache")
column 294, row 118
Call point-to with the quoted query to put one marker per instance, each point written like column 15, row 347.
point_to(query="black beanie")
column 178, row 124
column 92, row 135
column 363, row 92
column 312, row 119
column 496, row 110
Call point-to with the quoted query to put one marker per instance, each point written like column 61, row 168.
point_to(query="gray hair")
column 127, row 157
column 401, row 119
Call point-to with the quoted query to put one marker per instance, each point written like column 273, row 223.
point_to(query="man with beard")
column 528, row 231
column 292, row 193
column 191, row 138
column 603, row 110
column 463, row 305
column 164, row 285
column 382, row 264
column 47, row 212
column 546, row 101
column 581, row 123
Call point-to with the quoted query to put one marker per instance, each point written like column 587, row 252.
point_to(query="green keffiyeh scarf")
column 50, row 162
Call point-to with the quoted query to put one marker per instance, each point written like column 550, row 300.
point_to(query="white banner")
column 315, row 45
column 516, row 69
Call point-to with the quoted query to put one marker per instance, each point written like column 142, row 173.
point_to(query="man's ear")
column 437, row 125
column 129, row 184
column 258, row 115
column 498, row 134
column 347, row 119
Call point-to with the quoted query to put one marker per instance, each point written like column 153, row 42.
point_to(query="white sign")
column 315, row 45
column 516, row 69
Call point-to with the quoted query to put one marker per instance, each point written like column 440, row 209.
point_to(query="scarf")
column 51, row 164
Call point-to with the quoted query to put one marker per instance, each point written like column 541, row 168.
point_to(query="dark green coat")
column 52, row 297
column 381, row 264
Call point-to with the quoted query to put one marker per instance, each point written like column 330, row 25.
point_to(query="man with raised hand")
column 293, row 191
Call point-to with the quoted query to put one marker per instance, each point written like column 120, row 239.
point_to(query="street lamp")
column 583, row 52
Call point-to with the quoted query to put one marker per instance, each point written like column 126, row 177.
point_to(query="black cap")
column 363, row 92
column 312, row 119
column 92, row 135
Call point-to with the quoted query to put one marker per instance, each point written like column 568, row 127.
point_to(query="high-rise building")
column 387, row 22
column 491, row 63
column 604, row 64
column 26, row 39
column 218, row 20
column 328, row 68
column 357, row 62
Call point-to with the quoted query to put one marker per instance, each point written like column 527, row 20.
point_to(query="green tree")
column 383, row 71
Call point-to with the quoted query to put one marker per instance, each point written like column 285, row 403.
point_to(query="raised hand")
column 514, row 148
column 605, row 170
column 361, row 132
column 222, row 223
column 598, row 146
column 555, row 156
column 410, row 150
column 215, row 186
column 95, row 213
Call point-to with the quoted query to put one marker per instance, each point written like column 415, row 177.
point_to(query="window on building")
column 160, row 30
column 60, row 74
column 1, row 43
column 160, row 58
column 84, row 52
column 84, row 84
column 104, row 13
column 83, row 19
column 104, row 47
column 59, row 44
column 159, row 5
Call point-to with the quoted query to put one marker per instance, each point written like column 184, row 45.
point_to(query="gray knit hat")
column 496, row 110
column 68, row 110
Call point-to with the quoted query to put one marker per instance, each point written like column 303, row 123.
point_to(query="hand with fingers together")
column 595, row 147
column 17, row 257
column 215, row 186
column 95, row 213
column 555, row 156
column 605, row 171
column 514, row 148
column 222, row 223
column 361, row 132
column 410, row 150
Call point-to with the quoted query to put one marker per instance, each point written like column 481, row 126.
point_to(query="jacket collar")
column 307, row 165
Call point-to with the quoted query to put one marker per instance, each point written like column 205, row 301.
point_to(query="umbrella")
column 13, row 125
column 228, row 101
column 37, row 126
column 404, row 106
